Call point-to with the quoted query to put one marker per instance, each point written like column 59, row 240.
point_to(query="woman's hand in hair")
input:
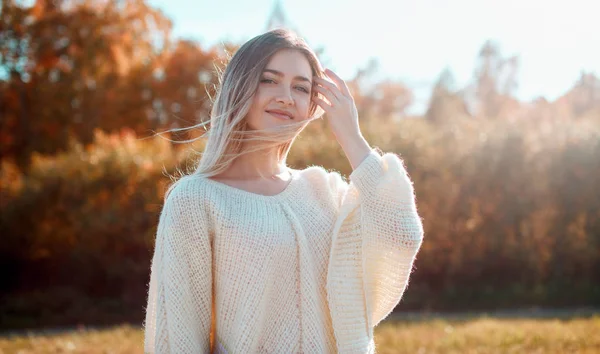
column 341, row 110
column 342, row 115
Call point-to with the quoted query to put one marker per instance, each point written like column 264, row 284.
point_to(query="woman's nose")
column 285, row 97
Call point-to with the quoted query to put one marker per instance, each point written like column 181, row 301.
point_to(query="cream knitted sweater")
column 312, row 269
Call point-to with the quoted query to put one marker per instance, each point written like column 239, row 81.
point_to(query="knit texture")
column 312, row 269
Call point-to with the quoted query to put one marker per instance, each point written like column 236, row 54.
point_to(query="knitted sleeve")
column 375, row 241
column 178, row 313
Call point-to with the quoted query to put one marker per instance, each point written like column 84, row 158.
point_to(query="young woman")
column 252, row 256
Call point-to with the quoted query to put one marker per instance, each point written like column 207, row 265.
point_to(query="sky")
column 414, row 40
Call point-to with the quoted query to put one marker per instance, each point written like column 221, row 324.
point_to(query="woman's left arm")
column 375, row 240
column 378, row 231
column 390, row 228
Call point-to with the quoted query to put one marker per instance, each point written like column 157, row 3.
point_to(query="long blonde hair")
column 237, row 85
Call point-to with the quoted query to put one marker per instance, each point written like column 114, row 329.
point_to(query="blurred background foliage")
column 508, row 190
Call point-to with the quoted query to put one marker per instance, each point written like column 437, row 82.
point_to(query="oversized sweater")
column 312, row 269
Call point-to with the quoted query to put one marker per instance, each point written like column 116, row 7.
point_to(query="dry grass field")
column 480, row 335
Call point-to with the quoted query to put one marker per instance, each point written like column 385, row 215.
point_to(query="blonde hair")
column 228, row 129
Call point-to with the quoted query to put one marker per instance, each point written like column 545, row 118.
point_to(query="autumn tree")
column 584, row 96
column 376, row 98
column 495, row 81
column 70, row 67
column 185, row 86
column 446, row 103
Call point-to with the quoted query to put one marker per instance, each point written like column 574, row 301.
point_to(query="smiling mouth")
column 280, row 116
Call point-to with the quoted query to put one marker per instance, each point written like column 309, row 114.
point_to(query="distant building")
column 278, row 18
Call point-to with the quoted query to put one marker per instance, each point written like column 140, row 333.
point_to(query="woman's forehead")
column 290, row 63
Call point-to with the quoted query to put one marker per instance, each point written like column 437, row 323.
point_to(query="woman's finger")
column 326, row 107
column 339, row 82
column 331, row 97
column 329, row 86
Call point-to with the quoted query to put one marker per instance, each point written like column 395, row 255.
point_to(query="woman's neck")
column 256, row 165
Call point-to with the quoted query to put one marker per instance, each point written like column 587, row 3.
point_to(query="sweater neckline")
column 244, row 193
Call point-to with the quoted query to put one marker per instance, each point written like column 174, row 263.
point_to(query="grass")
column 488, row 335
column 480, row 335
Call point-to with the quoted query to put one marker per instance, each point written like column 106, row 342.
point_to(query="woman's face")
column 284, row 91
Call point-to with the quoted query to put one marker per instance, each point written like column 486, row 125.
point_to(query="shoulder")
column 323, row 180
column 185, row 205
column 187, row 194
column 182, row 191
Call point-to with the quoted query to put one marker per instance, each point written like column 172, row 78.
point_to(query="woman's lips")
column 279, row 115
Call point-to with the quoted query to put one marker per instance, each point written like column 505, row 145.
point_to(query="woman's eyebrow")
column 279, row 73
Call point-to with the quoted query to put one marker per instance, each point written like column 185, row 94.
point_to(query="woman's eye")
column 301, row 88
